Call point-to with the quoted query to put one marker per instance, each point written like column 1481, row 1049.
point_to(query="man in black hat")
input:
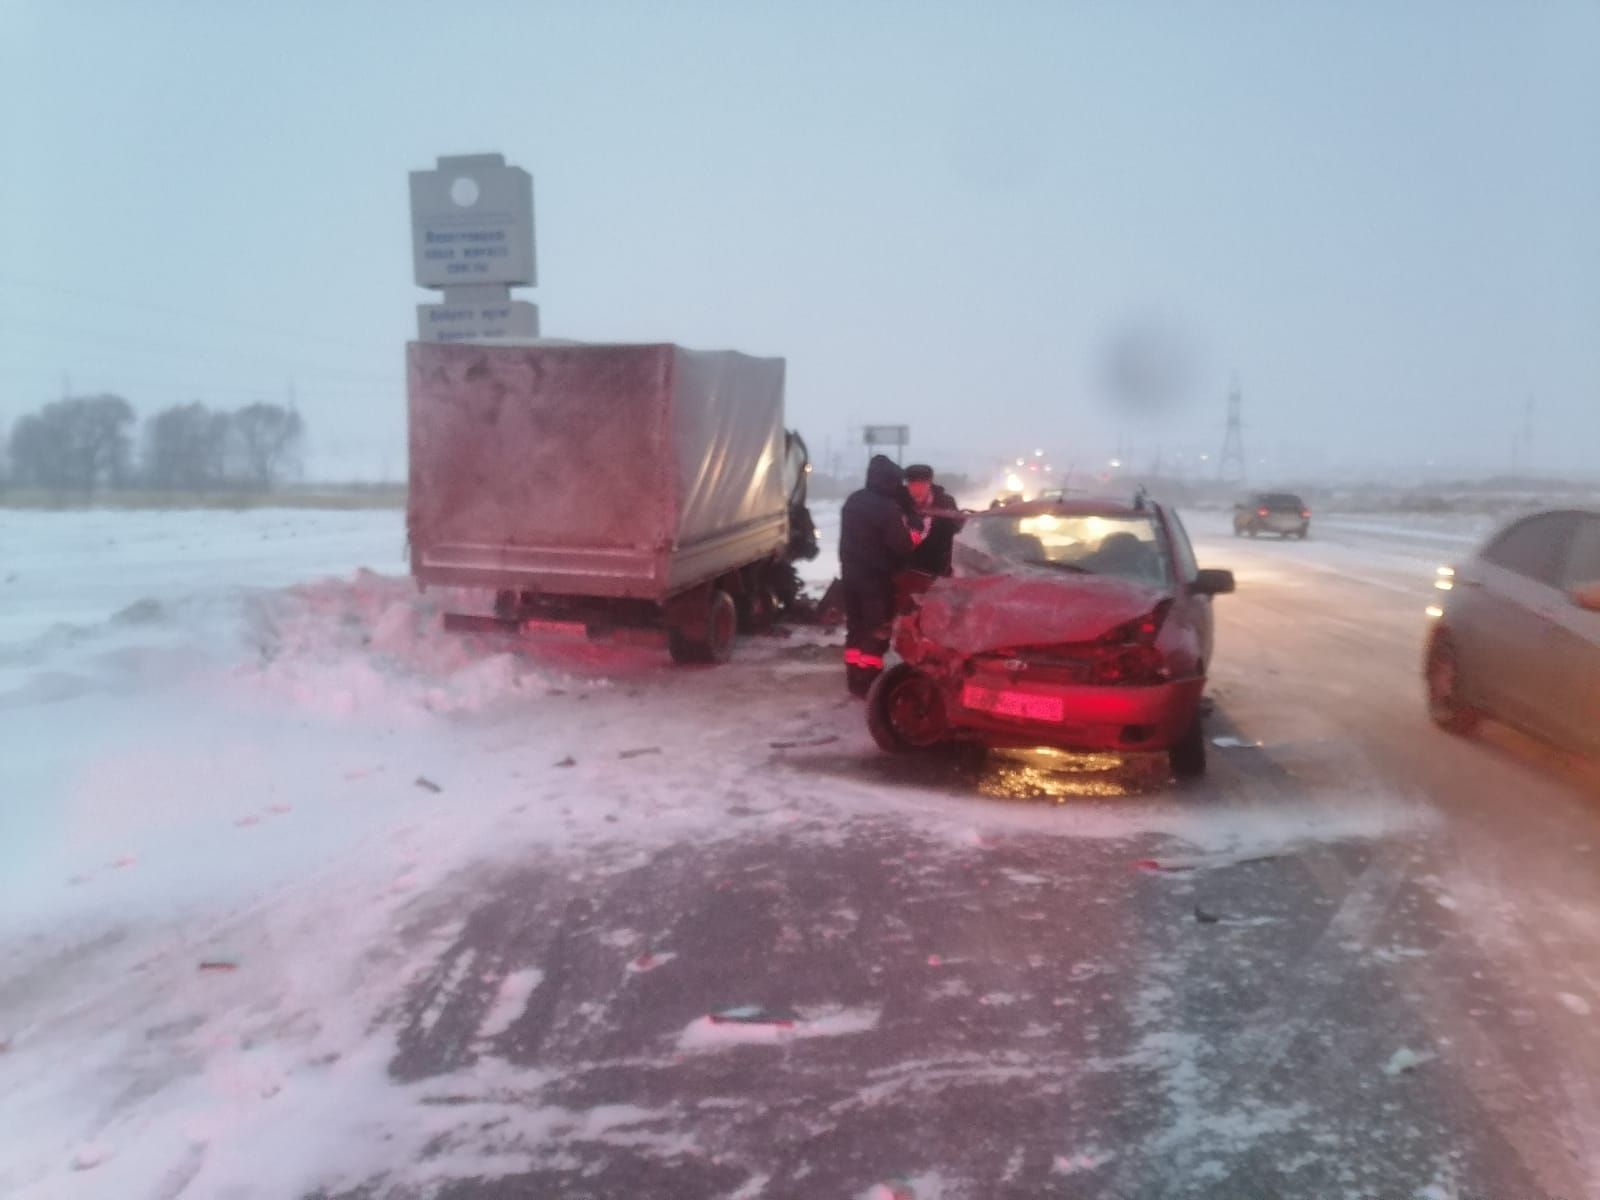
column 934, row 552
column 876, row 537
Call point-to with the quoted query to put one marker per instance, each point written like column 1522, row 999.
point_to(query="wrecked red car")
column 1075, row 624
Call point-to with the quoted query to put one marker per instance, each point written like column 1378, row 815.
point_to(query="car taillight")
column 1263, row 512
column 1305, row 513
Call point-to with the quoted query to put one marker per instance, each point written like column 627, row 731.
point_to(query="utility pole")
column 1231, row 466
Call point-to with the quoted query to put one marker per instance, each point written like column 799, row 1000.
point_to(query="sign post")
column 472, row 238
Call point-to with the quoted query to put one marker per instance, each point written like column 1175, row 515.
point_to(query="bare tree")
column 185, row 448
column 270, row 437
column 76, row 444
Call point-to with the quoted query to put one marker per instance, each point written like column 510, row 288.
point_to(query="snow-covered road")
column 300, row 897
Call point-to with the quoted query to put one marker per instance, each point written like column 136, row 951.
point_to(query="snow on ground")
column 240, row 752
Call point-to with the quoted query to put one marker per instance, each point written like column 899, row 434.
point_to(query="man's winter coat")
column 935, row 551
column 874, row 534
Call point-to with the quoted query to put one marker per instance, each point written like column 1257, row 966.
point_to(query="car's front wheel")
column 1446, row 703
column 905, row 711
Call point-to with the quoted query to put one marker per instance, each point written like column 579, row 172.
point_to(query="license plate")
column 1012, row 704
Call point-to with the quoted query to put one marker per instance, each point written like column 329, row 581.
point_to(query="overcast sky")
column 1384, row 217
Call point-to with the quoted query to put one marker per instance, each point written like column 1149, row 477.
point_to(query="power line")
column 164, row 310
column 141, row 345
column 193, row 387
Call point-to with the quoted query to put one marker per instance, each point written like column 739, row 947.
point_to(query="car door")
column 1511, row 596
column 1192, row 612
column 1572, row 668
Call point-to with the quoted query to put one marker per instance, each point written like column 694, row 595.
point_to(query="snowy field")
column 300, row 896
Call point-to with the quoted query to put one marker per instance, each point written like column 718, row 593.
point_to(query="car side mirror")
column 1587, row 595
column 1212, row 583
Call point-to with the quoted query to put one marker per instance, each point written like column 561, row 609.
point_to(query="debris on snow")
column 1405, row 1060
column 568, row 761
column 90, row 1155
column 427, row 784
column 806, row 743
column 641, row 752
column 218, row 964
column 1086, row 1160
column 1204, row 917
column 649, row 961
column 510, row 1001
column 755, row 1014
column 1233, row 743
column 709, row 1034
column 1574, row 1004
column 1197, row 862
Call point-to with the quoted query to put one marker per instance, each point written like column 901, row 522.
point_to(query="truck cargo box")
column 630, row 472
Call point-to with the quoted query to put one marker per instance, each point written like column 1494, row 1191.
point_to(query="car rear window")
column 1583, row 555
column 1534, row 547
column 1282, row 500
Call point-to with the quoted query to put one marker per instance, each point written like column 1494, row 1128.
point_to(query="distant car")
column 1282, row 513
column 1077, row 624
column 1516, row 633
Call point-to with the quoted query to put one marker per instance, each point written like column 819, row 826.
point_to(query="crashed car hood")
column 979, row 614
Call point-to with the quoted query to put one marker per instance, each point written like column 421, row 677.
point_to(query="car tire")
column 1254, row 532
column 1187, row 756
column 905, row 712
column 1442, row 674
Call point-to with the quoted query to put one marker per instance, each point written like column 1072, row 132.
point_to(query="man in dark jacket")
column 934, row 552
column 875, row 540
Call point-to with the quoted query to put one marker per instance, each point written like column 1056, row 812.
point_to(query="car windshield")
column 1126, row 546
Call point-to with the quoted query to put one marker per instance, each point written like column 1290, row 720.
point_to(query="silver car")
column 1516, row 632
column 1282, row 513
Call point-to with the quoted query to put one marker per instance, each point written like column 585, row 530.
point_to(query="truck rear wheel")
column 708, row 635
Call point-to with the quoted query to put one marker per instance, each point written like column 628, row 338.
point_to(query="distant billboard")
column 887, row 435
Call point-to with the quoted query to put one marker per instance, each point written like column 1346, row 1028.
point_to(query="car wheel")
column 905, row 711
column 1443, row 674
column 1187, row 757
column 1254, row 531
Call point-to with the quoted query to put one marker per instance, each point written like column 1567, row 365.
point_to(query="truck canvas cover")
column 632, row 471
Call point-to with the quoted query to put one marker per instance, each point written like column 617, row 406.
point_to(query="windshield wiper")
column 1059, row 566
